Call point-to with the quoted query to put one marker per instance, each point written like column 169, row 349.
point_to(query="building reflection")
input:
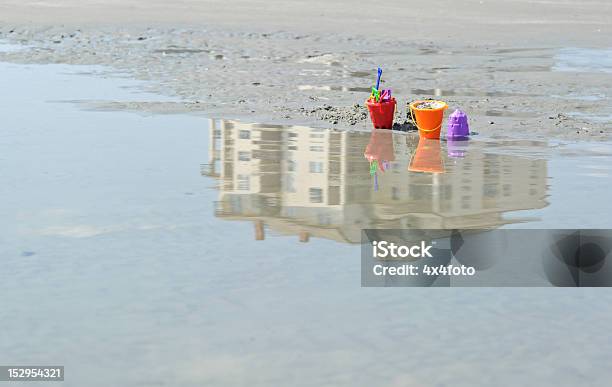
column 312, row 182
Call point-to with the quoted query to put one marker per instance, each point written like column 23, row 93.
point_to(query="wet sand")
column 514, row 72
column 467, row 21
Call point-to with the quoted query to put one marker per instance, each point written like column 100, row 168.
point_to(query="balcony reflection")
column 312, row 182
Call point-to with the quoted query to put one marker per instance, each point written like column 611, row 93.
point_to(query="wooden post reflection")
column 260, row 233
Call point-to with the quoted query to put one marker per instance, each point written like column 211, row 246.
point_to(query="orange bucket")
column 427, row 157
column 428, row 121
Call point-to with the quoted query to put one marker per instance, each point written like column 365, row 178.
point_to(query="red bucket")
column 382, row 113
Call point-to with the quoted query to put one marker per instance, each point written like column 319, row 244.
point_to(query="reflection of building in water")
column 316, row 182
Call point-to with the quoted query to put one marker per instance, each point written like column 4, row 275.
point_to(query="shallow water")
column 604, row 118
column 423, row 92
column 314, row 182
column 131, row 261
column 9, row 47
column 583, row 60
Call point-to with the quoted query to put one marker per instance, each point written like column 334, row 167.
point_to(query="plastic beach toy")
column 382, row 113
column 427, row 117
column 457, row 125
column 381, row 106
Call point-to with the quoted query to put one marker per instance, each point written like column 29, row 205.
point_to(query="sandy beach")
column 185, row 185
column 520, row 68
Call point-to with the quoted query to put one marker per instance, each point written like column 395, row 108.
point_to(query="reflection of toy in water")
column 456, row 148
column 427, row 157
column 379, row 152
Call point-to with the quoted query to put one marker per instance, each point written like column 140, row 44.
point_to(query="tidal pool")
column 142, row 249
column 583, row 60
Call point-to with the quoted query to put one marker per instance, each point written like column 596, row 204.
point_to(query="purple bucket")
column 458, row 125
